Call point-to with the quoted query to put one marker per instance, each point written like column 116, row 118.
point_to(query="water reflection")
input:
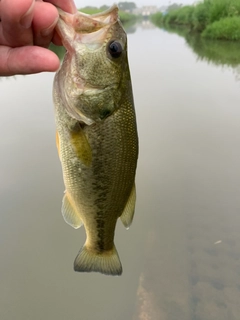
column 146, row 24
column 217, row 52
column 192, row 244
column 220, row 53
column 59, row 50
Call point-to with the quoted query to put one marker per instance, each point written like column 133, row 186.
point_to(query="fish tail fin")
column 106, row 262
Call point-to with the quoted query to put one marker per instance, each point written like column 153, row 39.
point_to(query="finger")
column 56, row 39
column 44, row 21
column 16, row 17
column 27, row 60
column 68, row 6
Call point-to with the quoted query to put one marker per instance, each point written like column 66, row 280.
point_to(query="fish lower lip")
column 92, row 90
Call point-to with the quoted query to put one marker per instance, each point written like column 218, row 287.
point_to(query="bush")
column 218, row 9
column 226, row 29
column 157, row 18
column 171, row 17
column 200, row 17
column 215, row 19
column 234, row 8
column 185, row 15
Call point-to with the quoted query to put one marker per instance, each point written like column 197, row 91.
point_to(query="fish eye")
column 115, row 49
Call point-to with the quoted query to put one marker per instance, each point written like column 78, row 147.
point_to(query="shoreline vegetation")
column 213, row 19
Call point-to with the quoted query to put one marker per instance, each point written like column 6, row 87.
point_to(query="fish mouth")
column 89, row 30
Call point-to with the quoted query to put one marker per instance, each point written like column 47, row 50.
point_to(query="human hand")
column 26, row 30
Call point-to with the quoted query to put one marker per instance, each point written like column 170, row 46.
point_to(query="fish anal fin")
column 69, row 212
column 128, row 212
column 81, row 147
column 105, row 262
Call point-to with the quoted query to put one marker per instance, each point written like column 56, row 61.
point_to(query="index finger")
column 68, row 6
column 13, row 14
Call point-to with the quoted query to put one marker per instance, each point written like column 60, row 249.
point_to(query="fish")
column 96, row 134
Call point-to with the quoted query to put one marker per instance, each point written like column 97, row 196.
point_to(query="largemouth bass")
column 96, row 134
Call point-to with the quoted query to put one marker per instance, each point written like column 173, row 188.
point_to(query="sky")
column 139, row 3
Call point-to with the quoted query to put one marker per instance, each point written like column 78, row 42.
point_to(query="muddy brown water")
column 181, row 256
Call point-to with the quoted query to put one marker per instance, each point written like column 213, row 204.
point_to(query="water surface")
column 181, row 256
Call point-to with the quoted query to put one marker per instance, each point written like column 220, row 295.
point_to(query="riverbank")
column 213, row 19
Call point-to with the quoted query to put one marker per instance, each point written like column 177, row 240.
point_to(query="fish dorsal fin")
column 69, row 213
column 128, row 212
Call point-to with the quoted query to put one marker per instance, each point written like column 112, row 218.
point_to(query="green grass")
column 224, row 29
column 218, row 10
column 90, row 10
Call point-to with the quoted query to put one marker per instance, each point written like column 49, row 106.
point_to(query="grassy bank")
column 214, row 19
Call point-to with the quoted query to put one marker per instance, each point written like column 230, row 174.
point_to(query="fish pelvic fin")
column 128, row 212
column 106, row 262
column 69, row 212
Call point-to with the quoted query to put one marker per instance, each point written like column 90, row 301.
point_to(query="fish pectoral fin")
column 105, row 262
column 70, row 214
column 58, row 143
column 128, row 212
column 81, row 147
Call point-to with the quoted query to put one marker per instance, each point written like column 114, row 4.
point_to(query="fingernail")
column 26, row 19
column 46, row 32
column 74, row 8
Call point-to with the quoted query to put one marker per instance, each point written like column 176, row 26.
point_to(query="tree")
column 174, row 6
column 126, row 6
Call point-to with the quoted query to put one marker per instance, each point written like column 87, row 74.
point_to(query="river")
column 181, row 256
